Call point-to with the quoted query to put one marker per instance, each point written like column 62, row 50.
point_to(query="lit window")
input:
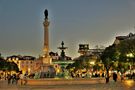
column 17, row 59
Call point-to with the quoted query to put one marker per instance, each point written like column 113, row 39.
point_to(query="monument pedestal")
column 47, row 70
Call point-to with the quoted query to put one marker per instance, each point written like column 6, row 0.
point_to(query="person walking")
column 17, row 78
column 114, row 76
column 13, row 78
column 107, row 78
column 133, row 76
column 122, row 77
column 25, row 79
column 9, row 78
column 21, row 78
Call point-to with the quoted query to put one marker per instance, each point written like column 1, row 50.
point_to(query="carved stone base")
column 47, row 71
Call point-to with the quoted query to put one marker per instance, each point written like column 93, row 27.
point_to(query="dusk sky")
column 94, row 22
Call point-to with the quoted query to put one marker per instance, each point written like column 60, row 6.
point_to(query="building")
column 26, row 64
column 93, row 54
column 118, row 39
column 83, row 49
column 54, row 56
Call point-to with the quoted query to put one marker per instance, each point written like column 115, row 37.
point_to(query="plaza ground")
column 70, row 84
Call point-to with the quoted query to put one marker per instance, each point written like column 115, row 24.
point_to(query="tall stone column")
column 46, row 58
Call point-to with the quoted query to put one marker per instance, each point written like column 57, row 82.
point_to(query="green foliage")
column 118, row 54
column 3, row 64
column 13, row 66
column 126, row 47
column 97, row 67
column 122, row 57
column 69, row 66
column 8, row 66
column 80, row 63
column 109, row 56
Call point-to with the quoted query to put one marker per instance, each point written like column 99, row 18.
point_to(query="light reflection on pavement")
column 129, row 83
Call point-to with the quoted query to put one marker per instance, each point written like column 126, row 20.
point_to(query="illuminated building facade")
column 93, row 54
column 26, row 64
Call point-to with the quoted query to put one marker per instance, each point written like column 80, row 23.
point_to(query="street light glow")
column 129, row 55
column 92, row 62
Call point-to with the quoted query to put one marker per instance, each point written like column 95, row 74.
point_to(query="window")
column 17, row 59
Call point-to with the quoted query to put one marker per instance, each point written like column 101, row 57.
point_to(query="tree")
column 13, row 66
column 108, row 57
column 127, row 47
column 110, row 54
column 8, row 66
column 82, row 62
column 127, row 53
column 2, row 63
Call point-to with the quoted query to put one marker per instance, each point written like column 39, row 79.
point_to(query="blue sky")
column 96, row 22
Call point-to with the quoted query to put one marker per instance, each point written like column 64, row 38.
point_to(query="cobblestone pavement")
column 77, row 84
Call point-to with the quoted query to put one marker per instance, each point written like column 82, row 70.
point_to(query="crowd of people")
column 14, row 78
column 22, row 79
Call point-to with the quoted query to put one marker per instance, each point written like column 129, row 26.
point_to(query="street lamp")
column 130, row 55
